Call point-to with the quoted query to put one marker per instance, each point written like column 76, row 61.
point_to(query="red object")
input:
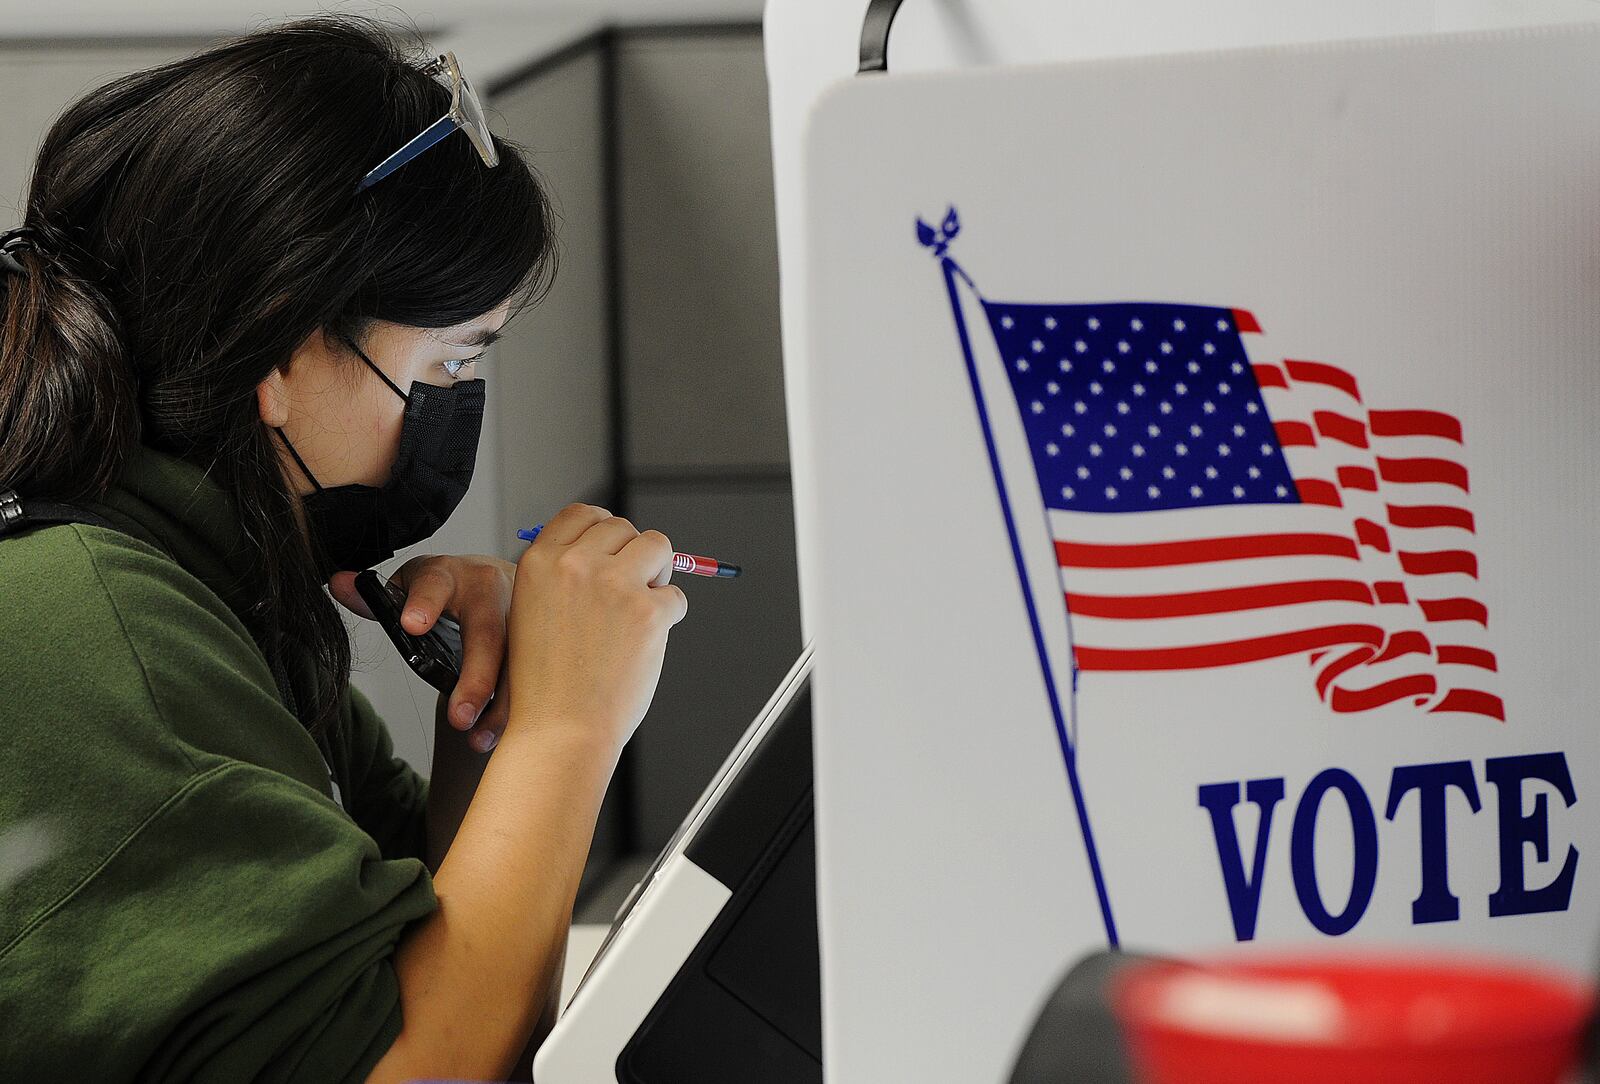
column 1245, row 320
column 1422, row 1019
column 703, row 566
column 688, row 562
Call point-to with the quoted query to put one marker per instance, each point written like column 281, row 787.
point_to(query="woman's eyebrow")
column 482, row 338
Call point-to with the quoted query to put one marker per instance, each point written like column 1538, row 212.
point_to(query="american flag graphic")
column 1348, row 540
column 1215, row 499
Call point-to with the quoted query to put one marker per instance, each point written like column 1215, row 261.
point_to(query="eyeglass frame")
column 464, row 106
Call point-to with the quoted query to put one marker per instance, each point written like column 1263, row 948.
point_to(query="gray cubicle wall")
column 552, row 372
column 705, row 447
column 703, row 370
column 551, row 377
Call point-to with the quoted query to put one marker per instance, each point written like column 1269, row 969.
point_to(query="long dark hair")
column 200, row 220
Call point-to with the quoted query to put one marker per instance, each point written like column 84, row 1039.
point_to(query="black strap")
column 15, row 518
column 875, row 36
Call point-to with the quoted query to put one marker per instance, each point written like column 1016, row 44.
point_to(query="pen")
column 681, row 562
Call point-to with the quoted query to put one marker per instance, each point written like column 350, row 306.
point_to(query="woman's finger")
column 609, row 535
column 429, row 586
column 649, row 556
column 492, row 723
column 569, row 523
column 342, row 586
column 483, row 648
column 673, row 602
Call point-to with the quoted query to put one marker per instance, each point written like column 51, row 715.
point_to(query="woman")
column 261, row 373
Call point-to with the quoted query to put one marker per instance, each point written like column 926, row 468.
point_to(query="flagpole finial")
column 939, row 237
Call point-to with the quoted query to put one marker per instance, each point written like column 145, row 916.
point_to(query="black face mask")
column 356, row 526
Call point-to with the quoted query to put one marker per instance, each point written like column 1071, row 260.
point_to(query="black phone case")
column 436, row 654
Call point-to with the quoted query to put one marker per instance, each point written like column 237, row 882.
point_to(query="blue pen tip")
column 528, row 536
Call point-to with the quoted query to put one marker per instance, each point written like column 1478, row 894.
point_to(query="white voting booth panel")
column 811, row 44
column 1201, row 451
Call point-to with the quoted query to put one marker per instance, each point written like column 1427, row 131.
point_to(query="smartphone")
column 436, row 654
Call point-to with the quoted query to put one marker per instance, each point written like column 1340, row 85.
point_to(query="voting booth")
column 709, row 971
column 1192, row 459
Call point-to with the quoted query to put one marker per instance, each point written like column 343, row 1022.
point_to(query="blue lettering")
column 1244, row 893
column 1513, row 897
column 1302, row 851
column 1435, row 902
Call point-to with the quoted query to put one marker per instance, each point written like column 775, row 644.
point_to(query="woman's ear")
column 272, row 394
column 273, row 399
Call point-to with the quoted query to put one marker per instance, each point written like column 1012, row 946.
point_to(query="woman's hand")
column 589, row 620
column 476, row 590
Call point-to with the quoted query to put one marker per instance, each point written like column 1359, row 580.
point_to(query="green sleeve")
column 246, row 931
column 388, row 797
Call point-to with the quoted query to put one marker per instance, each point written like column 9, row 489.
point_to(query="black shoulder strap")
column 14, row 518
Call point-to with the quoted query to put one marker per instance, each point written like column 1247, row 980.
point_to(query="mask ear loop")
column 375, row 369
column 304, row 469
column 285, row 438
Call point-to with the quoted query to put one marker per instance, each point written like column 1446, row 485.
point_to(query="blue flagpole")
column 1068, row 750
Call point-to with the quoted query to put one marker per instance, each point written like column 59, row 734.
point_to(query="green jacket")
column 181, row 895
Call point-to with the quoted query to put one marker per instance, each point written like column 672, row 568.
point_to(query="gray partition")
column 698, row 268
column 550, row 377
column 705, row 447
column 728, row 654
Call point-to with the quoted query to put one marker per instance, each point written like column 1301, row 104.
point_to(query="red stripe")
column 1222, row 600
column 1445, row 471
column 1316, row 491
column 1358, row 478
column 1245, row 320
column 1370, row 534
column 1295, row 435
column 1347, row 700
column 1389, row 591
column 1429, row 515
column 1405, row 643
column 1462, row 655
column 1338, row 427
column 1225, row 654
column 1270, row 376
column 1339, row 666
column 1200, row 551
column 1439, row 562
column 1471, row 700
column 1315, row 372
column 1414, row 423
column 1454, row 609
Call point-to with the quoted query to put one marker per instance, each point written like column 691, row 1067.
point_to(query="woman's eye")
column 454, row 365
